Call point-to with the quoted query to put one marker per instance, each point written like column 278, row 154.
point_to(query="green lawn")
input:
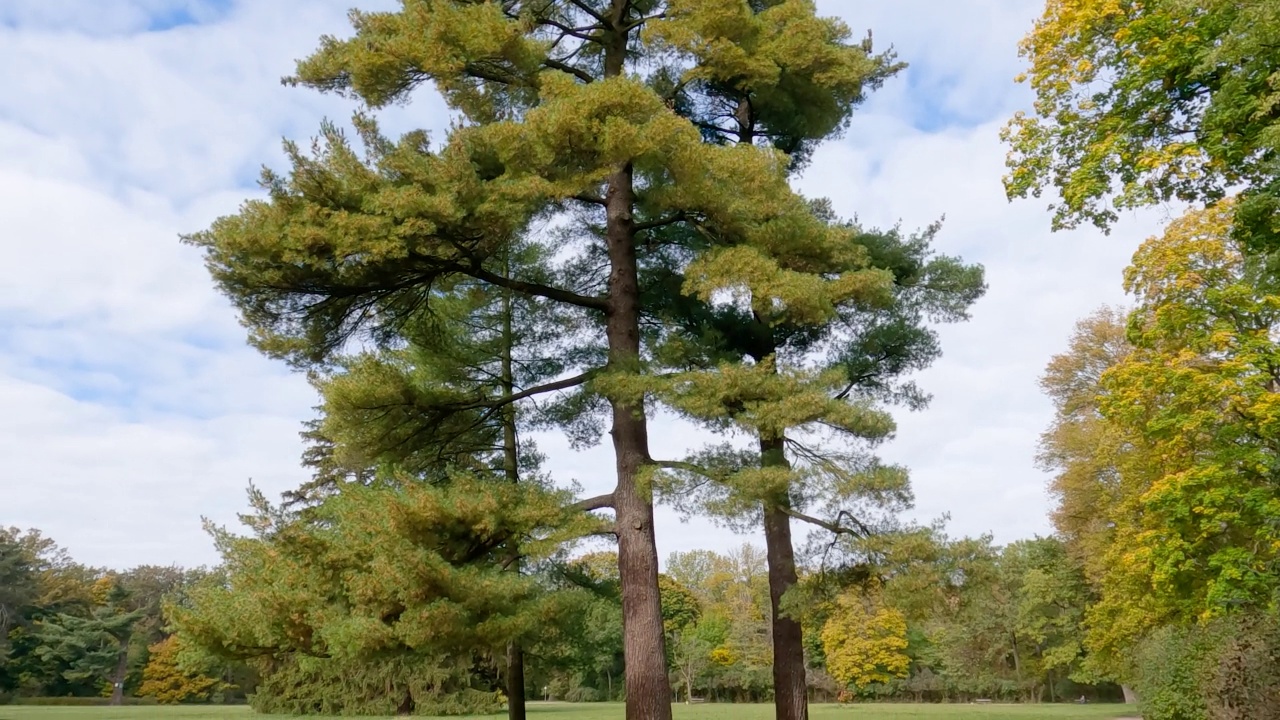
column 564, row 711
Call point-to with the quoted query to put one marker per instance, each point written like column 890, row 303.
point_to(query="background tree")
column 864, row 642
column 94, row 650
column 166, row 680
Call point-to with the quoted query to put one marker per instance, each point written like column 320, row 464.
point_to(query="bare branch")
column 600, row 502
column 661, row 222
column 587, row 198
column 551, row 293
column 685, row 466
column 579, row 73
column 588, row 10
column 832, row 527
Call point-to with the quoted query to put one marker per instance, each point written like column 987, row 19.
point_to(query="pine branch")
column 832, row 527
column 551, row 293
column 600, row 502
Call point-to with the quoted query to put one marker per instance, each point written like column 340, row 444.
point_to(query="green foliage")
column 403, row 580
column 90, row 649
column 680, row 608
column 1225, row 669
column 1140, row 103
column 417, row 685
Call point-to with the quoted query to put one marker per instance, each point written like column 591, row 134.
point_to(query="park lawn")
column 613, row 711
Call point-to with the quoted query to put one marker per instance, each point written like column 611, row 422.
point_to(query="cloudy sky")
column 130, row 405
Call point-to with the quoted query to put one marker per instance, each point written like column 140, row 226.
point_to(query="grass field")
column 613, row 711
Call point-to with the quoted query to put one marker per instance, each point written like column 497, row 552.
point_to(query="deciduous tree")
column 1146, row 102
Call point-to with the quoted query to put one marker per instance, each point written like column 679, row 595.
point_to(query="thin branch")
column 642, row 20
column 662, row 222
column 588, row 198
column 551, row 293
column 579, row 73
column 862, row 531
column 572, row 31
column 685, row 466
column 565, row 384
column 589, row 10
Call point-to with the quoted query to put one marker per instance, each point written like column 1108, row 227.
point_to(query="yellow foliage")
column 864, row 641
column 165, row 680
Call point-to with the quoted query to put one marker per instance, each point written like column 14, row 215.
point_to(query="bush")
column 1169, row 664
column 1226, row 669
column 397, row 686
column 582, row 694
column 1242, row 675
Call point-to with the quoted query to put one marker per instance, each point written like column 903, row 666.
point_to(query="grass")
column 613, row 711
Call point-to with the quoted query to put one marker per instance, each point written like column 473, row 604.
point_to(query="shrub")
column 1226, row 669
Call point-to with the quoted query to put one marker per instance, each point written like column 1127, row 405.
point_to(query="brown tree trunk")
column 646, row 684
column 790, row 701
column 117, row 678
column 515, row 682
column 647, row 687
column 511, row 469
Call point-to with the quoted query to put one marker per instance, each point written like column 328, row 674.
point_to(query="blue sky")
column 134, row 407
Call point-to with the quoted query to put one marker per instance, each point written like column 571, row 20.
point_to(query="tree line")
column 70, row 630
column 925, row 618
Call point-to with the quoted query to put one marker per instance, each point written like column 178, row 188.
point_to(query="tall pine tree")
column 566, row 113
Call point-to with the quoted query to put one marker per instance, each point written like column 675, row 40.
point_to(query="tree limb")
column 551, row 293
column 579, row 73
column 685, row 466
column 600, row 502
column 862, row 531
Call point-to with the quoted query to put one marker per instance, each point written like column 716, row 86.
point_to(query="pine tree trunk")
column 117, row 678
column 515, row 682
column 790, row 700
column 647, row 687
column 511, row 469
column 646, row 684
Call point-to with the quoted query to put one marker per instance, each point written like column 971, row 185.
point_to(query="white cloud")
column 133, row 406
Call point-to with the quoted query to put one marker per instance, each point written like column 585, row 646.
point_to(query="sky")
column 131, row 406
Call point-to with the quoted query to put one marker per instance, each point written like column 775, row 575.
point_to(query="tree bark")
column 117, row 678
column 515, row 682
column 647, row 687
column 511, row 469
column 789, row 697
column 645, row 677
column 1130, row 697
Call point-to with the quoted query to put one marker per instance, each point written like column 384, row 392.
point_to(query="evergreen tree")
column 566, row 111
column 809, row 352
column 94, row 650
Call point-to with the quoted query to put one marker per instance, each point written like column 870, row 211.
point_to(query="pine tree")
column 567, row 111
column 94, row 649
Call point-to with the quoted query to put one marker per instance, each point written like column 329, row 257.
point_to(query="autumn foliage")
column 165, row 679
